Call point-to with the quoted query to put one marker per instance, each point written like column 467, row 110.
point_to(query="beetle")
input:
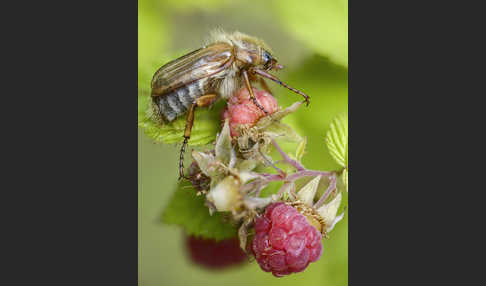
column 225, row 64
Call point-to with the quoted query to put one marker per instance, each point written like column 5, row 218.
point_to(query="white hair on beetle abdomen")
column 230, row 83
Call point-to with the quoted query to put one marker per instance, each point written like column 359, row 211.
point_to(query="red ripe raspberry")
column 242, row 110
column 285, row 242
column 213, row 254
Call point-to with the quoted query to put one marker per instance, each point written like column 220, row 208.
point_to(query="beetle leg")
column 201, row 101
column 206, row 100
column 187, row 135
column 275, row 79
column 264, row 85
column 250, row 90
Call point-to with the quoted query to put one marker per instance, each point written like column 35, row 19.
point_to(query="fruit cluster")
column 284, row 240
column 242, row 111
column 286, row 228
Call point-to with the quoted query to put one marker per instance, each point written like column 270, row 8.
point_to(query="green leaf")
column 206, row 124
column 320, row 24
column 188, row 210
column 337, row 139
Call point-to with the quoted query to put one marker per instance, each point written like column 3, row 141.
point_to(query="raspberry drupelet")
column 242, row 111
column 284, row 241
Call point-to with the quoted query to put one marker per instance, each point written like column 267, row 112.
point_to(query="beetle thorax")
column 247, row 56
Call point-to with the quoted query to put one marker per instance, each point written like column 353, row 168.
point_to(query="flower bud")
column 225, row 196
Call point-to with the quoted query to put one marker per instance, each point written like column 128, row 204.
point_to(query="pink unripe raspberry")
column 213, row 254
column 285, row 242
column 241, row 109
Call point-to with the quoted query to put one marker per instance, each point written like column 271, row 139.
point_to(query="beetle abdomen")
column 178, row 101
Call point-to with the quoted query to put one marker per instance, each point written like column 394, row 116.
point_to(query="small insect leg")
column 275, row 79
column 250, row 90
column 187, row 135
column 265, row 86
column 201, row 101
column 206, row 100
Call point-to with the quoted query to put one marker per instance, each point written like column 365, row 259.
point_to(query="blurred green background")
column 309, row 37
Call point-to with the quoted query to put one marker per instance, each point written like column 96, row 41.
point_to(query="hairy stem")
column 308, row 173
column 257, row 185
column 286, row 158
column 280, row 171
column 332, row 186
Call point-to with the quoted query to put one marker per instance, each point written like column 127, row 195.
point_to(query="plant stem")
column 332, row 186
column 256, row 186
column 286, row 158
column 308, row 173
column 280, row 171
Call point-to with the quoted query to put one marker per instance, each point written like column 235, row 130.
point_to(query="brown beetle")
column 214, row 71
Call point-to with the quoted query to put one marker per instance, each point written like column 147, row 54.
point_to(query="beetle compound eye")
column 267, row 59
